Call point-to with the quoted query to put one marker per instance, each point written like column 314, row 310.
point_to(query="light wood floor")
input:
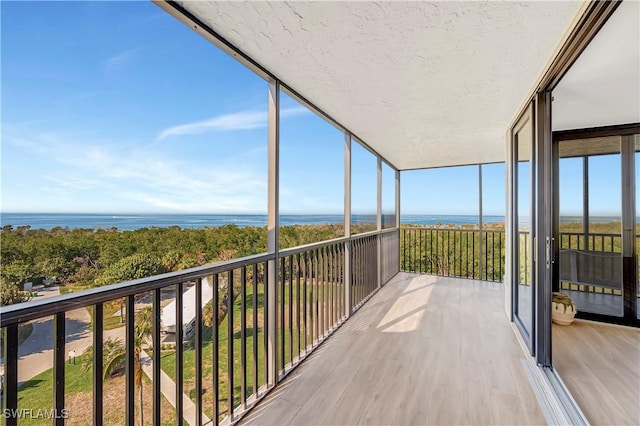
column 600, row 365
column 423, row 350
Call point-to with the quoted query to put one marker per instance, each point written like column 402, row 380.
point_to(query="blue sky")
column 118, row 107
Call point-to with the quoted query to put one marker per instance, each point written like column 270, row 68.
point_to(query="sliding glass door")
column 523, row 274
column 596, row 188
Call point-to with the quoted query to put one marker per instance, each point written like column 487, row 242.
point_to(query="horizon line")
column 240, row 213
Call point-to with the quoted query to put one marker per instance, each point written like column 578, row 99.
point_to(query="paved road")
column 36, row 353
column 168, row 389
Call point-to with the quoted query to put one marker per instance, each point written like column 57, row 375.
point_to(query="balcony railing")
column 222, row 358
column 471, row 253
column 594, row 242
column 464, row 253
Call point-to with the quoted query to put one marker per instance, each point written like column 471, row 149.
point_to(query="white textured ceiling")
column 425, row 84
column 602, row 87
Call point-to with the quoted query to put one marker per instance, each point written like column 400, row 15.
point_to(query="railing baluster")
column 501, row 258
column 98, row 317
column 354, row 274
column 325, row 290
column 423, row 261
column 405, row 249
column 157, row 368
column 290, row 261
column 130, row 362
column 216, row 345
column 265, row 321
column 298, row 272
column 334, row 288
column 10, row 392
column 330, row 281
column 243, row 336
column 421, row 253
column 416, row 248
column 230, row 297
column 305, row 277
column 316, row 270
column 58, row 369
column 454, row 254
column 198, row 354
column 179, row 353
column 345, row 280
column 327, row 284
column 255, row 328
column 473, row 245
column 282, row 305
column 486, row 251
column 493, row 266
column 320, row 287
column 431, row 250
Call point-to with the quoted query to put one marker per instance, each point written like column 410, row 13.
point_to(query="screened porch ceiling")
column 425, row 84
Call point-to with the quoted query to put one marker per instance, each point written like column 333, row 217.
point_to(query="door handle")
column 551, row 252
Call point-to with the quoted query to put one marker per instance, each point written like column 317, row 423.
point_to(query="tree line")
column 85, row 258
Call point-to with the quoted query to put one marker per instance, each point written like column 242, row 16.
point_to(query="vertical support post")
column 397, row 200
column 629, row 258
column 585, row 204
column 555, row 232
column 510, row 224
column 273, row 225
column 480, row 251
column 379, row 224
column 347, row 224
column 543, row 211
column 398, row 221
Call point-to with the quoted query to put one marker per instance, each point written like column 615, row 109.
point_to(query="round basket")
column 563, row 309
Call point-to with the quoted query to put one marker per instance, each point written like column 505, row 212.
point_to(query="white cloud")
column 121, row 60
column 86, row 175
column 245, row 120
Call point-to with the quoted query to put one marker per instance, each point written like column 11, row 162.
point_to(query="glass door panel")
column 590, row 224
column 523, row 279
column 637, row 230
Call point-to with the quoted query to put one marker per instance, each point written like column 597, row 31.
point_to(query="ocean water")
column 137, row 221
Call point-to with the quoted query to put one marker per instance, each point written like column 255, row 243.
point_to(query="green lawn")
column 168, row 358
column 38, row 392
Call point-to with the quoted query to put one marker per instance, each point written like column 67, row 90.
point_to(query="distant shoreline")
column 128, row 221
column 190, row 221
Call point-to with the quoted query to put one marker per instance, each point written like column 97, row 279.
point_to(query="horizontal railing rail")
column 217, row 319
column 22, row 312
column 301, row 249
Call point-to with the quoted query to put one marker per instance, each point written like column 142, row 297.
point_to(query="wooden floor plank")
column 600, row 365
column 423, row 350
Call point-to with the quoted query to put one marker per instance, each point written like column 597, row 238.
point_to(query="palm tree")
column 115, row 354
